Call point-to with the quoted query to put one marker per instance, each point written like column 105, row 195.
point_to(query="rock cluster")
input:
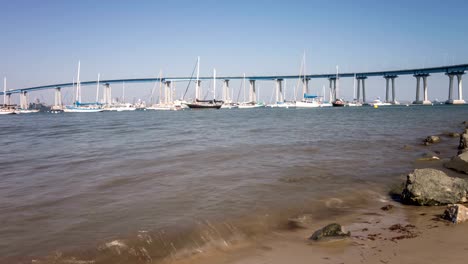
column 434, row 187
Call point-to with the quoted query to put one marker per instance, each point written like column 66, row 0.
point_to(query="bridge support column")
column 253, row 92
column 387, row 90
column 58, row 99
column 198, row 89
column 388, row 79
column 167, row 91
column 226, row 94
column 426, row 100
column 107, row 94
column 450, row 94
column 394, row 101
column 358, row 97
column 418, row 81
column 332, row 89
column 361, row 85
column 460, row 89
column 24, row 100
column 279, row 91
column 8, row 99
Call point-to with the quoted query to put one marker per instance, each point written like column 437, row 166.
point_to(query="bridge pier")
column 167, row 92
column 253, row 92
column 58, row 99
column 361, row 79
column 24, row 100
column 425, row 100
column 107, row 94
column 332, row 89
column 197, row 89
column 226, row 94
column 8, row 99
column 389, row 78
column 460, row 88
column 279, row 91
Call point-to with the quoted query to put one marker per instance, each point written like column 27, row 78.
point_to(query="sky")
column 42, row 41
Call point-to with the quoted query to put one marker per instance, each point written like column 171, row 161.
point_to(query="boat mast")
column 4, row 90
column 74, row 91
column 197, row 83
column 337, row 83
column 244, row 87
column 78, row 85
column 97, row 88
column 160, row 86
column 214, row 84
column 304, row 87
column 123, row 92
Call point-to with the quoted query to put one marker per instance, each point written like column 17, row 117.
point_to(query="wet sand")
column 405, row 234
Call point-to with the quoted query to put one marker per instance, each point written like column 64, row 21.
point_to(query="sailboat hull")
column 203, row 106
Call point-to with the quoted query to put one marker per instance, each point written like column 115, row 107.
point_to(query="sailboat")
column 5, row 109
column 78, row 106
column 204, row 104
column 308, row 100
column 338, row 102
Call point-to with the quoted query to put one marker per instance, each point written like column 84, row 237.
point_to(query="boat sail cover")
column 310, row 96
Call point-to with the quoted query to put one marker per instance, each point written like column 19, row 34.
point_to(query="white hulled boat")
column 5, row 109
column 78, row 106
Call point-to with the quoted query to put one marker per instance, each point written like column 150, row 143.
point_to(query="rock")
column 458, row 163
column 431, row 140
column 453, row 134
column 463, row 145
column 434, row 187
column 330, row 231
column 388, row 207
column 429, row 157
column 456, row 213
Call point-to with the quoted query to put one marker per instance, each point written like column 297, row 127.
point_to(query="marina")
column 250, row 96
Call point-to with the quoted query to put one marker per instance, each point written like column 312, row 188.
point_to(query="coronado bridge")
column 423, row 74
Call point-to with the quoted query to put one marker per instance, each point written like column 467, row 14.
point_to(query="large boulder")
column 459, row 163
column 331, row 231
column 434, row 187
column 456, row 213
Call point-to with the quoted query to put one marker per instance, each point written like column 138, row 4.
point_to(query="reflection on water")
column 76, row 181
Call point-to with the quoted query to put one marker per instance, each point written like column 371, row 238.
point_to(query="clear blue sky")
column 42, row 41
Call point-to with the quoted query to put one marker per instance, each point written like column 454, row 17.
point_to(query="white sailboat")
column 308, row 100
column 5, row 109
column 78, row 106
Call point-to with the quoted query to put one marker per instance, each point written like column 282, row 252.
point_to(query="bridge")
column 419, row 73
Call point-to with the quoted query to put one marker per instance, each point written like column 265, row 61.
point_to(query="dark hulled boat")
column 205, row 104
column 338, row 103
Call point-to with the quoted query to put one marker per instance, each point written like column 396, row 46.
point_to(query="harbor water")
column 73, row 183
